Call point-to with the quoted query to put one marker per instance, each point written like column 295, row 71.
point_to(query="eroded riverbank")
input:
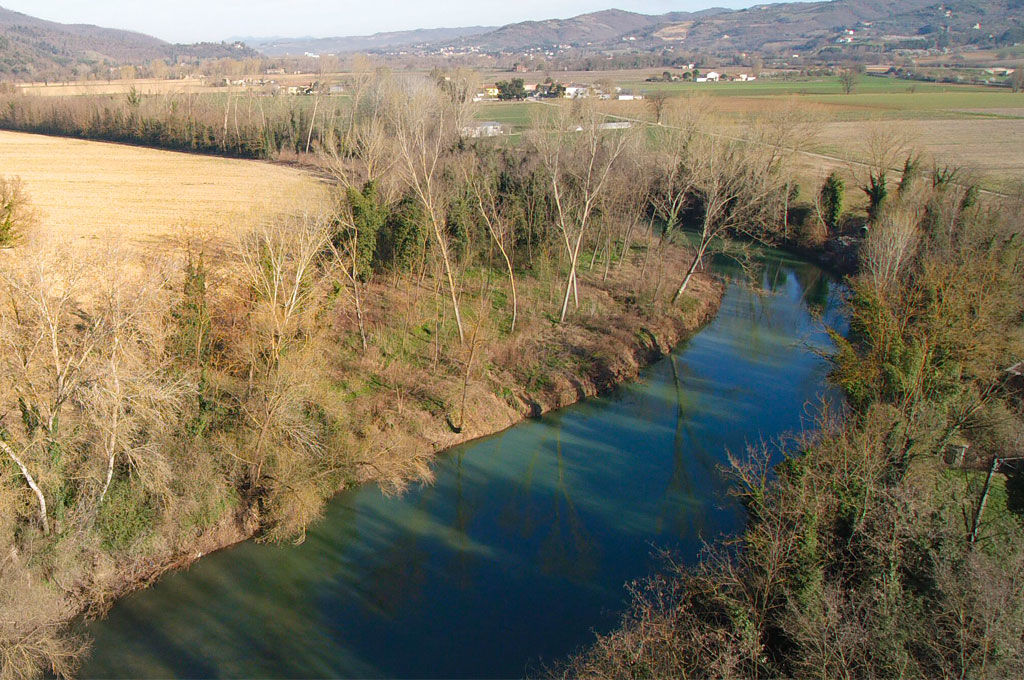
column 615, row 353
column 522, row 545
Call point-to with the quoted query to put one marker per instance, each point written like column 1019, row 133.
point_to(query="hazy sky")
column 196, row 20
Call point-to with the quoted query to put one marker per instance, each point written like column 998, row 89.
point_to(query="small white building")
column 712, row 76
column 490, row 128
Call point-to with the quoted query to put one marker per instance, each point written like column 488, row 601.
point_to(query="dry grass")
column 993, row 149
column 143, row 86
column 98, row 194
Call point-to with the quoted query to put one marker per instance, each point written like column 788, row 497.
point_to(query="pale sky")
column 215, row 20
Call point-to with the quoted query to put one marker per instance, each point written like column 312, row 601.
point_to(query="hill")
column 809, row 26
column 35, row 49
column 279, row 46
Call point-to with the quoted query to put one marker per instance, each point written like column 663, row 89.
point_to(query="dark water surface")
column 522, row 547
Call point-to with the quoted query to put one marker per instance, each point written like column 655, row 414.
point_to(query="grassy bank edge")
column 650, row 343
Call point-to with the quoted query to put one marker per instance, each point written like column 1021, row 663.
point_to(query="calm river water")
column 522, row 547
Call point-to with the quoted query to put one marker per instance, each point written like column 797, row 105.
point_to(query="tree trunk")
column 110, row 476
column 607, row 256
column 574, row 256
column 455, row 299
column 312, row 120
column 984, row 500
column 359, row 311
column 568, row 291
column 689, row 273
column 111, row 453
column 43, row 519
column 469, row 367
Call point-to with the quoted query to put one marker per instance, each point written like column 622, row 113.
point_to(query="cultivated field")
column 980, row 128
column 142, row 86
column 97, row 194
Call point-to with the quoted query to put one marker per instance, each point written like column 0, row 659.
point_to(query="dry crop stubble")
column 96, row 194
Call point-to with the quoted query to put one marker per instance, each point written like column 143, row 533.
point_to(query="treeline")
column 152, row 404
column 871, row 549
column 243, row 125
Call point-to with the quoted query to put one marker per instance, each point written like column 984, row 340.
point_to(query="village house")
column 490, row 128
column 709, row 77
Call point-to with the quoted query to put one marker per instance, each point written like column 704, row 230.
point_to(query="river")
column 522, row 547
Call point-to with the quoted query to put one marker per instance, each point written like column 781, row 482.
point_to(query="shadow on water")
column 521, row 548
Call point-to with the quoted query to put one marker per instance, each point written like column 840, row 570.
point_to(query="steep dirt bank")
column 582, row 360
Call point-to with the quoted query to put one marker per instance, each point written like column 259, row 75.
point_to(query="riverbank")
column 521, row 546
column 543, row 367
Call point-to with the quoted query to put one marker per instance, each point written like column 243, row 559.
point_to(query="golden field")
column 991, row 150
column 101, row 194
column 142, row 86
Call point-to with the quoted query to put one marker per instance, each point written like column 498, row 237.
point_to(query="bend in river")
column 522, row 547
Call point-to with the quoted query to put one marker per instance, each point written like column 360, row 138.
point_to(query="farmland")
column 100, row 87
column 98, row 193
column 976, row 127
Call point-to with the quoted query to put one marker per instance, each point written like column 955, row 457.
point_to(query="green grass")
column 806, row 86
column 517, row 114
column 873, row 98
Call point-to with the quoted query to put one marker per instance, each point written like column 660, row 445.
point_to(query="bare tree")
column 499, row 226
column 426, row 122
column 84, row 365
column 579, row 156
column 134, row 396
column 656, row 103
column 848, row 78
column 672, row 147
column 48, row 345
column 734, row 186
column 280, row 267
column 890, row 245
column 345, row 248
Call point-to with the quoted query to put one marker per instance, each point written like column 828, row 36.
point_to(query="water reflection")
column 522, row 546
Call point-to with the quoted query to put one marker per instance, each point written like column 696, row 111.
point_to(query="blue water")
column 522, row 547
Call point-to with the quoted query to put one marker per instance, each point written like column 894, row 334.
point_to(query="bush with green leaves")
column 831, row 198
column 15, row 215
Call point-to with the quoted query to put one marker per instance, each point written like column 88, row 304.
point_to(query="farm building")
column 490, row 128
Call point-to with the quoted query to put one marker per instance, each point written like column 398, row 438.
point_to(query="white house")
column 576, row 91
column 490, row 128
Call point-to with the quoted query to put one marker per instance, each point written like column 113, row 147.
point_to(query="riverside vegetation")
column 866, row 554
column 157, row 406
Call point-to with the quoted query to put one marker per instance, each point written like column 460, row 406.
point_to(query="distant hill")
column 763, row 28
column 604, row 28
column 275, row 47
column 33, row 48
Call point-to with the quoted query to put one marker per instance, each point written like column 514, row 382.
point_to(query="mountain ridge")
column 37, row 48
column 760, row 28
